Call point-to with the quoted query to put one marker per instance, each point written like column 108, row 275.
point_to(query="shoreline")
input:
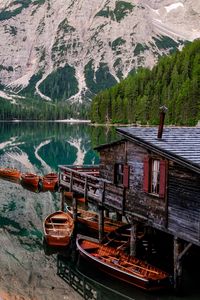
column 46, row 121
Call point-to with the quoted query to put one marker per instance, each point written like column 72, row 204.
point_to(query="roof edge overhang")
column 161, row 152
column 117, row 142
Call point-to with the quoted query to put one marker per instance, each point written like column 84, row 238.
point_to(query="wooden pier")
column 83, row 181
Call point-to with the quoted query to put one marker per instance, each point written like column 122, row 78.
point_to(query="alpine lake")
column 28, row 270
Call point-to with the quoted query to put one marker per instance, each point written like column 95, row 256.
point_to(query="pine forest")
column 173, row 82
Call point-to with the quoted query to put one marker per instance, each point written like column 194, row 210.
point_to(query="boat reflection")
column 11, row 179
column 85, row 285
column 31, row 188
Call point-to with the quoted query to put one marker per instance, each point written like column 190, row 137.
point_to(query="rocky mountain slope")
column 72, row 49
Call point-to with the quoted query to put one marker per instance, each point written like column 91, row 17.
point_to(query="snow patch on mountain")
column 100, row 42
column 173, row 6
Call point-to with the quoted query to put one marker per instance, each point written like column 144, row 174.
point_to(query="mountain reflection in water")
column 26, row 271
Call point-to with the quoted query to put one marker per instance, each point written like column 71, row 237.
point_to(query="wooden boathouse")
column 151, row 178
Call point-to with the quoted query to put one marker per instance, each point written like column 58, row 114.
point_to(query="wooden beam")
column 177, row 265
column 62, row 200
column 106, row 213
column 184, row 251
column 103, row 194
column 133, row 239
column 71, row 182
column 101, row 223
column 74, row 209
column 85, row 188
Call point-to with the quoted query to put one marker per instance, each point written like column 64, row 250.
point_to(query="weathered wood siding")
column 113, row 194
column 139, row 203
column 178, row 213
column 135, row 201
column 184, row 203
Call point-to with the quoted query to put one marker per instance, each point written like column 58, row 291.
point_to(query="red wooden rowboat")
column 30, row 179
column 122, row 266
column 58, row 228
column 90, row 220
column 50, row 182
column 10, row 173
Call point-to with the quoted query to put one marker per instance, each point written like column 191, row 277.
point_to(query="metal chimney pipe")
column 163, row 110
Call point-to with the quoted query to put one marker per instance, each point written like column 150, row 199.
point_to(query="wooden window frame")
column 147, row 184
column 121, row 174
column 154, row 179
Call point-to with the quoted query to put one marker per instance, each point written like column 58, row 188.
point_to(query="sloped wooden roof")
column 102, row 146
column 181, row 144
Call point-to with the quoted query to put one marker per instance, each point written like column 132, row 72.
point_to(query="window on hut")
column 121, row 174
column 155, row 176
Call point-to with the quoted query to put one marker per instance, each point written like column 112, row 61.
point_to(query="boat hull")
column 30, row 179
column 58, row 228
column 90, row 220
column 10, row 173
column 50, row 182
column 111, row 269
column 57, row 241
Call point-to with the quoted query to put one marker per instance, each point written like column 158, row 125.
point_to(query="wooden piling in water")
column 133, row 239
column 101, row 222
column 62, row 195
column 74, row 208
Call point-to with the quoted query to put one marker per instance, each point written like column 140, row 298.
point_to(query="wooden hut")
column 158, row 179
column 154, row 179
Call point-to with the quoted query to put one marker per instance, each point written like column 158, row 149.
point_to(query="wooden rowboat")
column 50, row 182
column 58, row 228
column 122, row 266
column 90, row 220
column 120, row 238
column 10, row 173
column 30, row 179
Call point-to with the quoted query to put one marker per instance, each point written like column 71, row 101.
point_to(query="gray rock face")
column 97, row 42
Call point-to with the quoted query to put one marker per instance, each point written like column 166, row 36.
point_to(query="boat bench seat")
column 55, row 224
column 58, row 218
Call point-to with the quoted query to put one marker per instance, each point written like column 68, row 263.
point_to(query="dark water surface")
column 27, row 270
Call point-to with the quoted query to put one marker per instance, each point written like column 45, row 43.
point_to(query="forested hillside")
column 174, row 82
column 35, row 109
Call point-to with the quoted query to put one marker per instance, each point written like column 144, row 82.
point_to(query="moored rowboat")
column 58, row 228
column 30, row 179
column 10, row 173
column 50, row 181
column 90, row 220
column 122, row 266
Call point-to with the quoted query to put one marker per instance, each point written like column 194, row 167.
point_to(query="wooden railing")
column 85, row 181
column 82, row 179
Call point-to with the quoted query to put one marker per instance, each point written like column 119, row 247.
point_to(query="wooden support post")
column 62, row 200
column 71, row 182
column 150, row 234
column 85, row 189
column 74, row 207
column 118, row 216
column 179, row 252
column 133, row 239
column 177, row 264
column 73, row 241
column 101, row 223
column 106, row 213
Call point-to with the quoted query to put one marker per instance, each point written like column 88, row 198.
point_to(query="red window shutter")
column 163, row 169
column 126, row 176
column 146, row 174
